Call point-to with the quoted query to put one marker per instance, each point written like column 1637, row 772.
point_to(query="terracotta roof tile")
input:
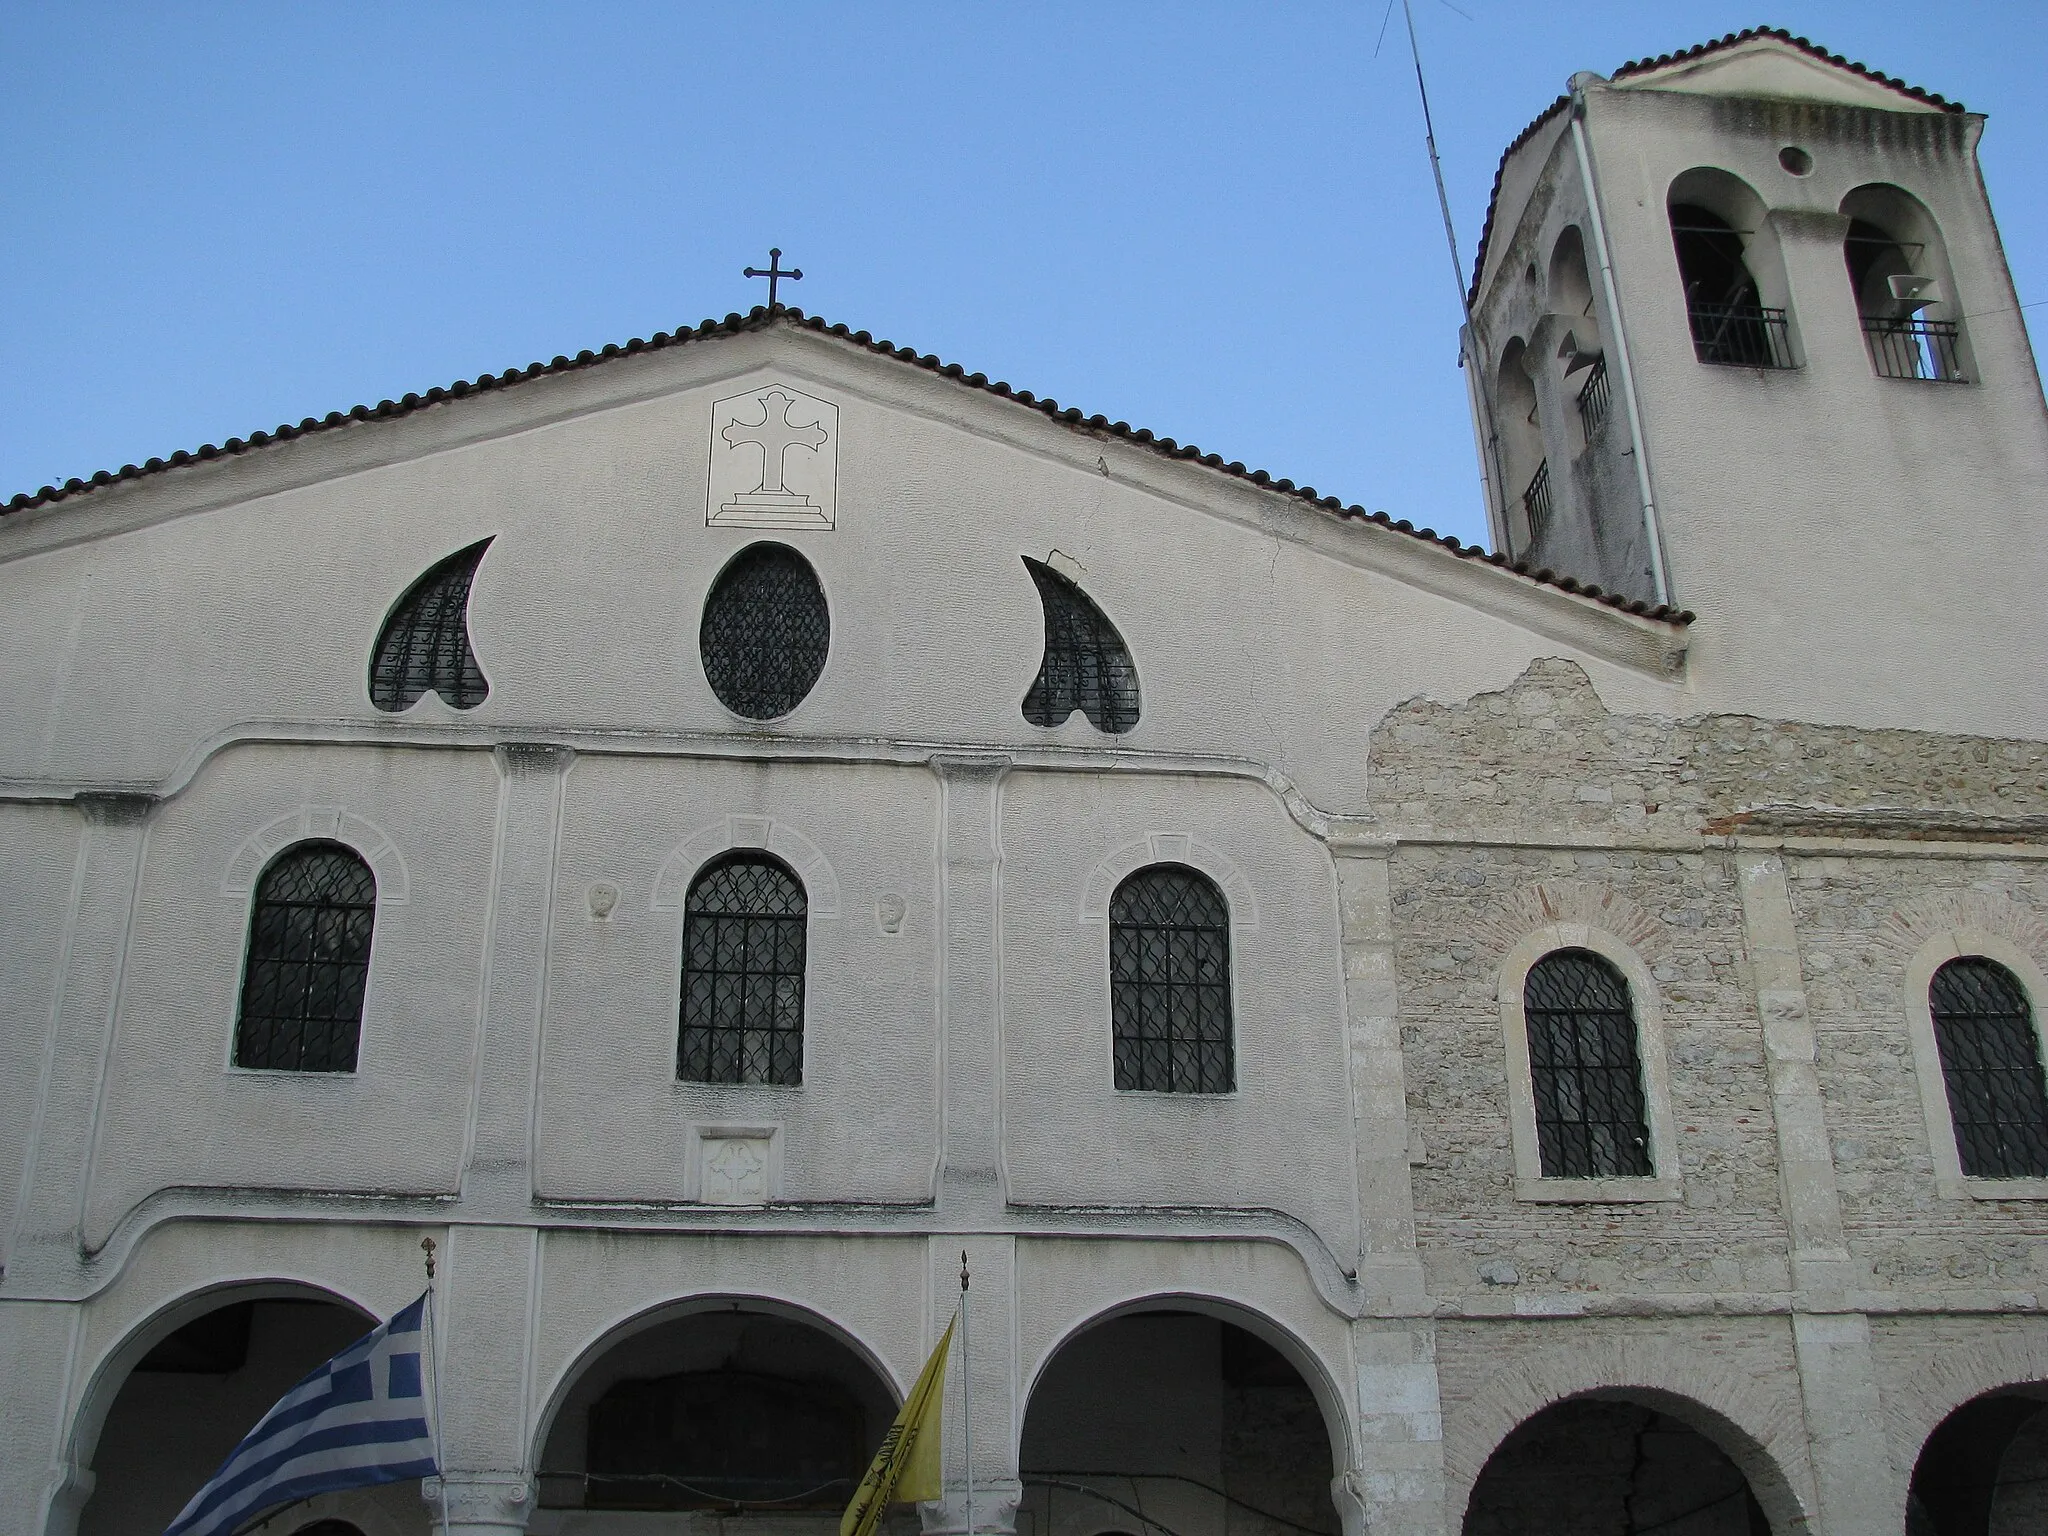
column 759, row 318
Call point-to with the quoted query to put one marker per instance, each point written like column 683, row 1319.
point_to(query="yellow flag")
column 906, row 1469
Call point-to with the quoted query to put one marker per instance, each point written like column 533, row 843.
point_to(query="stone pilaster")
column 988, row 1366
column 485, row 1300
column 1398, row 1483
column 43, row 1486
column 49, row 1224
column 970, row 893
column 497, row 1180
column 1858, row 1487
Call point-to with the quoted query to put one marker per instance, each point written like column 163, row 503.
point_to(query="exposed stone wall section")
column 1481, row 1245
column 1859, row 921
column 1545, row 754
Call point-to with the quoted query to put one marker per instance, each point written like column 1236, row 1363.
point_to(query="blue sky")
column 1211, row 220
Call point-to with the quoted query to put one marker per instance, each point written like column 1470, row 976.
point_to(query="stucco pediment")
column 1769, row 68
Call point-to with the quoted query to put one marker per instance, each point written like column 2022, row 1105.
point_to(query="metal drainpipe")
column 1651, row 530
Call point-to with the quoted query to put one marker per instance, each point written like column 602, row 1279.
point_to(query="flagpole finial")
column 427, row 1247
column 963, row 1269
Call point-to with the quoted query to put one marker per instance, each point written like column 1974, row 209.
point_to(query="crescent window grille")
column 1169, row 983
column 308, row 961
column 742, row 1011
column 1086, row 666
column 424, row 647
column 1585, row 1065
column 1991, row 1067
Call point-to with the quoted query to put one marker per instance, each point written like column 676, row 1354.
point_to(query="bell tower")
column 1745, row 342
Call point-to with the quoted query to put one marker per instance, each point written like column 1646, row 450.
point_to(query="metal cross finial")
column 774, row 273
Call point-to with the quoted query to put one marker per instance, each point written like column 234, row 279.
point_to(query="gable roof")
column 1636, row 68
column 761, row 318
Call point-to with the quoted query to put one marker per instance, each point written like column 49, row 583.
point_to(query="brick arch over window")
column 1171, row 848
column 1755, row 1421
column 821, row 882
column 306, row 968
column 333, row 824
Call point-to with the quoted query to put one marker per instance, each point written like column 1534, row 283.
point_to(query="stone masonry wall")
column 1531, row 806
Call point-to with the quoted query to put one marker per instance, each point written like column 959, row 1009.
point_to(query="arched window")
column 309, row 957
column 1086, row 665
column 1714, row 220
column 424, row 646
column 1579, row 349
column 742, row 1012
column 1585, row 1068
column 1991, row 1066
column 765, row 632
column 1169, row 982
column 1523, row 464
column 1898, row 273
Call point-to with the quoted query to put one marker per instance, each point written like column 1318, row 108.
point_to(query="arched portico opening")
column 1180, row 1417
column 185, row 1389
column 1984, row 1470
column 743, row 1406
column 1628, row 1463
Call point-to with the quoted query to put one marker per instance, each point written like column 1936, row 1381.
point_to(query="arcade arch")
column 736, row 1404
column 1984, row 1469
column 186, row 1386
column 1180, row 1416
column 1630, row 1461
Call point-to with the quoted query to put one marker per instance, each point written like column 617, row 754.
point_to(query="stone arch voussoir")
column 1759, row 1427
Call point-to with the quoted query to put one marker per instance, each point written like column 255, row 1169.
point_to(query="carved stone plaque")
column 734, row 1170
column 774, row 460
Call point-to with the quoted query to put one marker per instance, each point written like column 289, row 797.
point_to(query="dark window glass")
column 765, row 633
column 715, row 1439
column 743, row 974
column 1585, row 1068
column 1991, row 1063
column 1086, row 666
column 424, row 647
column 1169, row 982
column 309, row 956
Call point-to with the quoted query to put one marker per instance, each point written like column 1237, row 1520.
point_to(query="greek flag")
column 364, row 1417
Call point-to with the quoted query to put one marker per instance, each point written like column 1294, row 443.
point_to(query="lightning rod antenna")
column 1490, row 471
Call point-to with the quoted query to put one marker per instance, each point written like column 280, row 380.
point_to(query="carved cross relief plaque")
column 774, row 460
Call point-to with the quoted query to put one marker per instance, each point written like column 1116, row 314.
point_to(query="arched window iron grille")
column 424, row 647
column 742, row 1012
column 309, row 958
column 765, row 632
column 1086, row 665
column 1585, row 1068
column 1169, row 983
column 1991, row 1066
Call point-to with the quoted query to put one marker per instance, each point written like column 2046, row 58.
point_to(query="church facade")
column 716, row 836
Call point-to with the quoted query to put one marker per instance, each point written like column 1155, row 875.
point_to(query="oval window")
column 765, row 632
